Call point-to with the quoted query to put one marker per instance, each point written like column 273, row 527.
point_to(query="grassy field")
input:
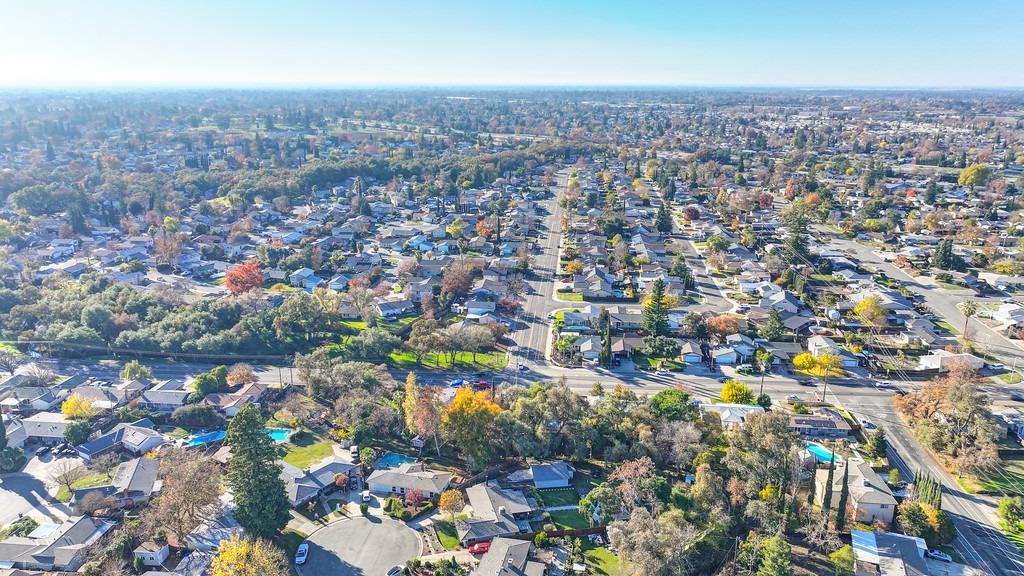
column 1007, row 481
column 88, row 481
column 600, row 560
column 389, row 325
column 559, row 497
column 305, row 450
column 496, row 360
column 569, row 296
column 564, row 519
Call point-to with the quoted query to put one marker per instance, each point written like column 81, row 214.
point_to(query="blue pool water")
column 820, row 453
column 277, row 434
column 392, row 460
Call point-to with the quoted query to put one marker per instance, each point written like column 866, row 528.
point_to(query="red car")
column 481, row 385
column 480, row 548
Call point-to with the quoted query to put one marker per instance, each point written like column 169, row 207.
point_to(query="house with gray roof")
column 134, row 482
column 53, row 547
column 409, row 476
column 135, row 438
column 509, row 557
column 497, row 512
column 556, row 474
column 303, row 485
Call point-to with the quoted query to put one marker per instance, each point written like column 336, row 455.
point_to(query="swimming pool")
column 278, row 435
column 820, row 453
column 392, row 460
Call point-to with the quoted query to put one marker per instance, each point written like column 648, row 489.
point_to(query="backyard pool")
column 820, row 453
column 278, row 435
column 392, row 460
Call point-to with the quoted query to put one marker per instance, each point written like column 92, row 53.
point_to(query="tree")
column 191, row 490
column 242, row 556
column 776, row 557
column 764, row 361
column 240, row 375
column 243, row 277
column 78, row 407
column 632, row 477
column 600, row 505
column 672, row 404
column 456, row 280
column 410, row 401
column 723, row 325
column 663, row 221
column 655, row 311
column 9, row 361
column 662, row 546
column 870, row 311
column 451, row 502
column 206, row 383
column 826, row 498
column 877, row 444
column 736, row 392
column 843, row 560
column 717, row 244
column 67, row 473
column 804, row 361
column 974, row 175
column 844, row 496
column 134, row 370
column 773, row 327
column 1011, row 512
column 467, row 422
column 968, row 308
column 372, row 344
column 77, row 432
column 573, row 267
column 254, row 475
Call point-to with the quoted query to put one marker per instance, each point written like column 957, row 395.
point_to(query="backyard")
column 554, row 497
column 568, row 519
column 600, row 560
column 305, row 449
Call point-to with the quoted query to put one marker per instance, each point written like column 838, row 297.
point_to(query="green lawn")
column 1009, row 377
column 304, row 453
column 559, row 497
column 566, row 519
column 88, row 481
column 1009, row 480
column 644, row 361
column 946, row 326
column 600, row 560
column 569, row 296
column 496, row 360
column 446, row 533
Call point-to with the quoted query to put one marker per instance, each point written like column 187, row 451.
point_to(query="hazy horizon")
column 121, row 44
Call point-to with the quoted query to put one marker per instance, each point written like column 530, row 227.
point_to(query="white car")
column 366, row 496
column 792, row 398
column 939, row 555
column 300, row 554
column 868, row 424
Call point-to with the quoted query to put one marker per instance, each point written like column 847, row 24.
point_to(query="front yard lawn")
column 88, row 481
column 645, row 362
column 558, row 497
column 1009, row 377
column 304, row 450
column 946, row 326
column 1007, row 480
column 568, row 519
column 446, row 533
column 569, row 296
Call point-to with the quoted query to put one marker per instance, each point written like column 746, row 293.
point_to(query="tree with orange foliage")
column 243, row 277
column 484, row 228
column 723, row 325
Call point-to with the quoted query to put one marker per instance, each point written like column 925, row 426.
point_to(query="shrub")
column 364, row 508
column 197, row 416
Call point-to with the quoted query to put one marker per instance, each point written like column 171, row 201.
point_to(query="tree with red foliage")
column 243, row 277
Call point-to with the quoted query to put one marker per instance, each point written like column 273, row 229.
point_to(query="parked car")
column 481, row 385
column 522, row 367
column 395, row 570
column 939, row 555
column 43, row 451
column 867, row 424
column 300, row 554
column 480, row 548
column 366, row 496
column 456, row 383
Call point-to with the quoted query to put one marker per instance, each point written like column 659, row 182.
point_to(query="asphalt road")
column 366, row 546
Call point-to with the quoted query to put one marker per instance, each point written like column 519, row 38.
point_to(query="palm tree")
column 764, row 359
column 969, row 308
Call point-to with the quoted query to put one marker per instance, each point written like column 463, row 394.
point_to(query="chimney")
column 501, row 510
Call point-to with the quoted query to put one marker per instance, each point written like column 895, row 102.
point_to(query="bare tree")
column 67, row 473
column 190, row 492
column 9, row 362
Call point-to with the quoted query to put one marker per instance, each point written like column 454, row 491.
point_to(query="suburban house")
column 134, row 482
column 52, row 546
column 556, row 474
column 509, row 557
column 496, row 512
column 165, row 397
column 16, row 435
column 395, row 308
column 150, row 553
column 870, row 497
column 733, row 416
column 45, row 427
column 136, row 438
column 824, row 423
column 942, row 360
column 409, row 476
column 303, row 485
column 888, row 554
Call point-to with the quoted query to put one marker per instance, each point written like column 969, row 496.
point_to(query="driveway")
column 361, row 547
column 27, row 492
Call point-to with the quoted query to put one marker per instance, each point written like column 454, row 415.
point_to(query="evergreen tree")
column 877, row 444
column 606, row 338
column 682, row 271
column 931, row 192
column 776, row 557
column 254, row 475
column 773, row 327
column 663, row 221
column 670, row 190
column 794, row 248
column 3, row 435
column 655, row 313
column 826, row 499
column 844, row 495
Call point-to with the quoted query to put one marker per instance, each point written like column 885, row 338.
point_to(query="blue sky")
column 71, row 43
